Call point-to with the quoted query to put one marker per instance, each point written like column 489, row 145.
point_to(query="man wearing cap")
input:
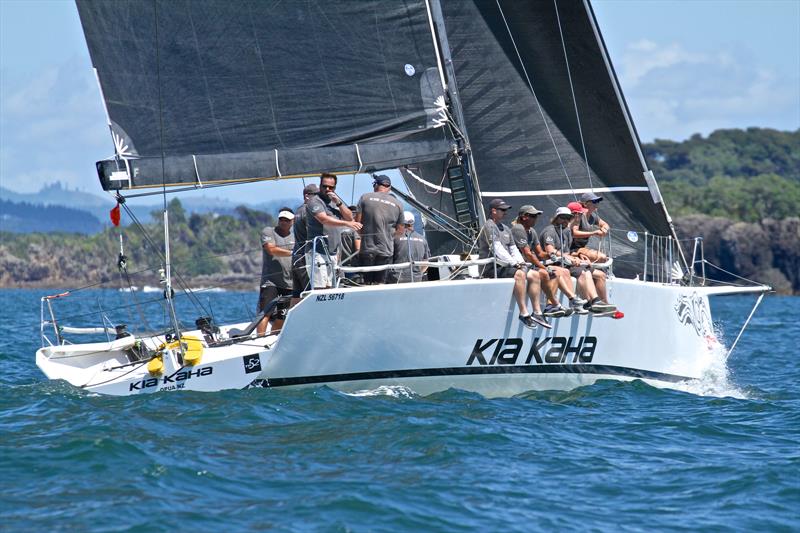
column 556, row 240
column 327, row 214
column 411, row 246
column 277, row 244
column 382, row 217
column 553, row 276
column 495, row 240
column 300, row 281
column 590, row 225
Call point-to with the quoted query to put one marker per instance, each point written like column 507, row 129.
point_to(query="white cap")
column 286, row 214
column 563, row 211
column 408, row 216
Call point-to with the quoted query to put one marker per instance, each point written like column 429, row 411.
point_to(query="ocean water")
column 721, row 454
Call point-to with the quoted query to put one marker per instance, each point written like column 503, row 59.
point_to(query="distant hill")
column 28, row 218
column 26, row 212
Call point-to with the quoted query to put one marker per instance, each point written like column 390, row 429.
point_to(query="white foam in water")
column 395, row 391
column 715, row 380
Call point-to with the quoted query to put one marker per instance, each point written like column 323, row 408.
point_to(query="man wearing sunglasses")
column 590, row 225
column 382, row 217
column 556, row 240
column 327, row 214
column 495, row 240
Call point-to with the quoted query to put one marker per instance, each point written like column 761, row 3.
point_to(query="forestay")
column 202, row 92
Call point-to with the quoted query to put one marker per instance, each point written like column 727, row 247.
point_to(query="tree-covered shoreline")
column 737, row 188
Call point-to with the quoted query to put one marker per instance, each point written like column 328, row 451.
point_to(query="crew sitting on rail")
column 589, row 225
column 556, row 240
column 495, row 240
column 551, row 277
column 409, row 247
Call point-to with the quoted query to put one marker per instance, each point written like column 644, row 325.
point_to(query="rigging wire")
column 536, row 99
column 572, row 90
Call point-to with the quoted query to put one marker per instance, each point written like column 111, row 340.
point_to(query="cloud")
column 53, row 127
column 674, row 92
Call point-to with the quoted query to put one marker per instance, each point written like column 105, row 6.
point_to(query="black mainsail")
column 212, row 91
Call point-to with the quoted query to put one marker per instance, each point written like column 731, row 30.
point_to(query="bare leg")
column 534, row 289
column 519, row 292
column 261, row 329
column 565, row 283
column 600, row 282
column 548, row 286
column 586, row 285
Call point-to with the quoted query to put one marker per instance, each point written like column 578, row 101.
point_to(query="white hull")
column 428, row 337
column 423, row 336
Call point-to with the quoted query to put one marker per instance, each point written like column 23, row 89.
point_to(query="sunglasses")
column 329, row 187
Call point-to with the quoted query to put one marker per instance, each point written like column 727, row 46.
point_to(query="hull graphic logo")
column 693, row 311
column 553, row 350
column 252, row 363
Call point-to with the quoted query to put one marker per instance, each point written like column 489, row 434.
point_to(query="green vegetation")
column 743, row 175
column 199, row 245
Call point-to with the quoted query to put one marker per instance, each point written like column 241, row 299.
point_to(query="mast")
column 467, row 162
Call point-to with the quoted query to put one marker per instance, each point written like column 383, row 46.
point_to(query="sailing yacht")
column 468, row 100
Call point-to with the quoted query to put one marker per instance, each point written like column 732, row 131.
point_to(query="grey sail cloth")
column 511, row 145
column 209, row 90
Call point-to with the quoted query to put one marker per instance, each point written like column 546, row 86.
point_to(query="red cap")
column 576, row 207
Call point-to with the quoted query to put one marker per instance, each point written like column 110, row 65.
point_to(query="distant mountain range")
column 58, row 208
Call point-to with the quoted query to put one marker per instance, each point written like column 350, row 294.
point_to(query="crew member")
column 590, row 225
column 495, row 240
column 327, row 214
column 382, row 217
column 556, row 240
column 277, row 244
column 552, row 276
column 410, row 246
column 300, row 280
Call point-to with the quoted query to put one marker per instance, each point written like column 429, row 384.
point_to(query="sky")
column 685, row 66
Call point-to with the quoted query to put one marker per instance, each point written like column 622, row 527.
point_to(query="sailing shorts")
column 319, row 270
column 269, row 293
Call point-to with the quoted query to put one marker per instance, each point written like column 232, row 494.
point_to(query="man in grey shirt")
column 411, row 246
column 495, row 240
column 382, row 216
column 326, row 216
column 300, row 281
column 277, row 244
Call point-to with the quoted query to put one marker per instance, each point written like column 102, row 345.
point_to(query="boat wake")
column 395, row 391
column 715, row 380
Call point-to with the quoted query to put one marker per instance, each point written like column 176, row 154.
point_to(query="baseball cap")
column 311, row 188
column 288, row 215
column 499, row 203
column 591, row 197
column 408, row 216
column 576, row 207
column 529, row 210
column 563, row 211
column 382, row 179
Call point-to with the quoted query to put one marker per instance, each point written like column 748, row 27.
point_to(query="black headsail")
column 532, row 142
column 229, row 91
